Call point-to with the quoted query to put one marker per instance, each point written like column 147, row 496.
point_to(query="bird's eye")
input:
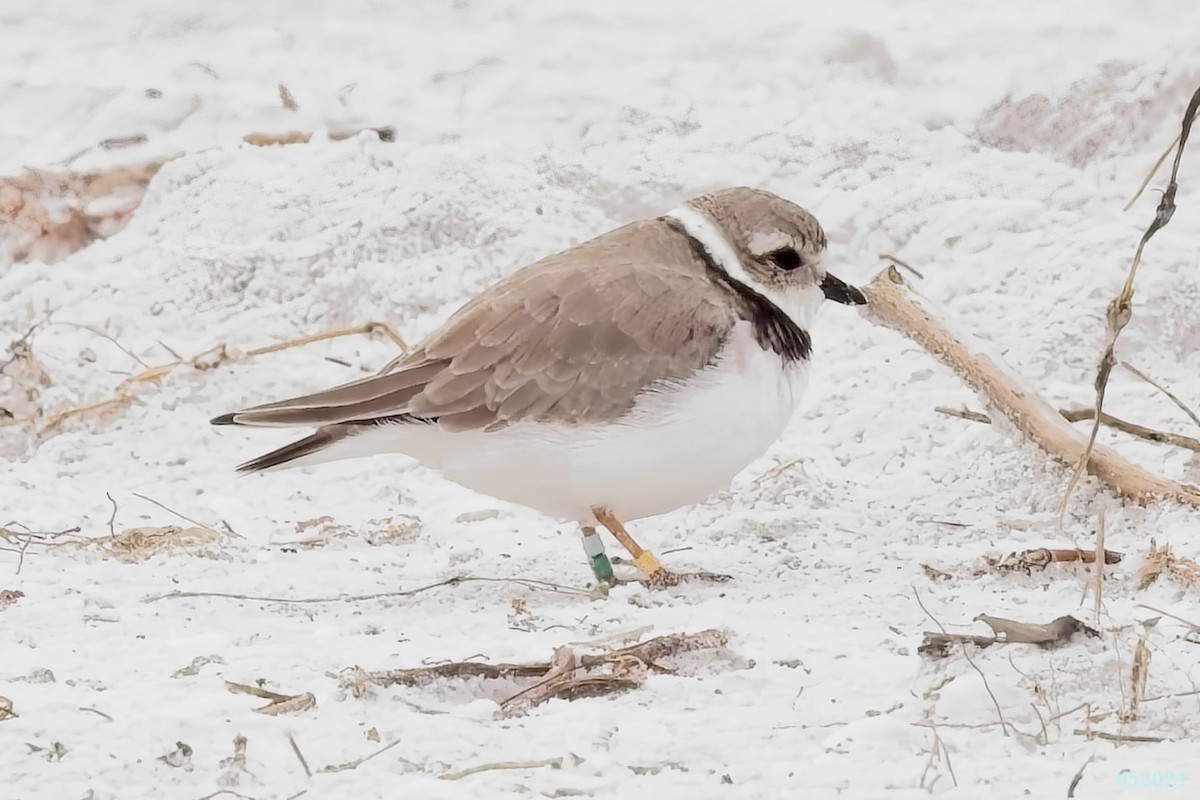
column 786, row 258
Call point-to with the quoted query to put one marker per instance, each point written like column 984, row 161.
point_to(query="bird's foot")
column 659, row 577
column 664, row 578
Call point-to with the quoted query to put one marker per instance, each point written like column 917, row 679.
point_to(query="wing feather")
column 574, row 338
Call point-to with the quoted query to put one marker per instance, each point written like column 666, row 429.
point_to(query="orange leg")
column 657, row 576
column 645, row 560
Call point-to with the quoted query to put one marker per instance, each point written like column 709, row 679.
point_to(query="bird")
column 625, row 377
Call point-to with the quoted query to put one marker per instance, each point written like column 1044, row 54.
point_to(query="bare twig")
column 296, row 747
column 358, row 762
column 1150, row 175
column 1004, row 725
column 1120, row 310
column 964, row 413
column 1194, row 627
column 1078, row 777
column 555, row 763
column 355, row 598
column 96, row 711
column 1179, row 403
column 892, row 305
column 117, row 142
column 1081, row 414
column 214, row 356
column 182, row 516
column 565, row 676
column 112, row 533
column 899, row 262
column 1117, row 737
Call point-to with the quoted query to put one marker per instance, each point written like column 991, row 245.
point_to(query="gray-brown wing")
column 573, row 338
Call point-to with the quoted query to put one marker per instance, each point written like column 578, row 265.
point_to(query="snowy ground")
column 990, row 145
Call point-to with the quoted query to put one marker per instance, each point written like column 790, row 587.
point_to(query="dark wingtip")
column 224, row 419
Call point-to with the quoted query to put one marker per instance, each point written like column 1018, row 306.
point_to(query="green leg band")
column 597, row 558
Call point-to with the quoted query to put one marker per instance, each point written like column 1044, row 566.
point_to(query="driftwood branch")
column 890, row 303
column 567, row 675
column 1006, row 631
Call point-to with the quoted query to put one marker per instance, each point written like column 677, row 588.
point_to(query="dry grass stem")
column 1084, row 414
column 892, row 304
column 300, row 756
column 1120, row 738
column 1182, row 406
column 1194, row 628
column 1150, row 175
column 119, row 142
column 1120, row 310
column 356, row 598
column 901, row 263
column 1004, row 724
column 209, row 359
column 554, row 763
column 358, row 762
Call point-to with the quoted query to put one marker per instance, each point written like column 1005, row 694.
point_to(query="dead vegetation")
column 567, row 675
column 22, row 380
column 45, row 215
column 1086, row 414
column 1161, row 561
column 138, row 544
column 893, row 305
column 937, row 644
column 9, row 596
column 31, row 377
column 323, row 530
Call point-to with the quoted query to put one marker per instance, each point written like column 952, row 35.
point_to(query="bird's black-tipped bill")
column 839, row 291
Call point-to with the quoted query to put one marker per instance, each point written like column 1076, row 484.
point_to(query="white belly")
column 676, row 447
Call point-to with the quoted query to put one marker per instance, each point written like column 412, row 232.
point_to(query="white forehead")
column 768, row 241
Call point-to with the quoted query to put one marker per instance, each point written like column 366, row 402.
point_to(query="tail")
column 314, row 449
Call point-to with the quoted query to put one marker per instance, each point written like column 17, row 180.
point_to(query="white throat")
column 800, row 304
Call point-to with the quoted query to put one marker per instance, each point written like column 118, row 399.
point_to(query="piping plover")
column 628, row 376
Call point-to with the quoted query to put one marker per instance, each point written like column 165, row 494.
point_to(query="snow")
column 992, row 146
